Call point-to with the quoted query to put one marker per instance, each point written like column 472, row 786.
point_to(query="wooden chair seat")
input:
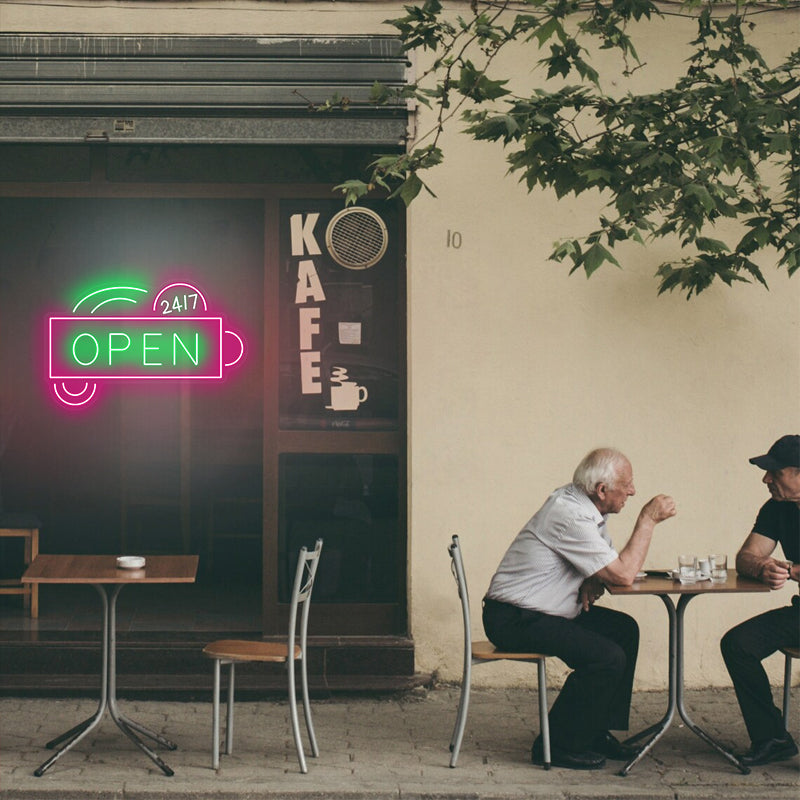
column 486, row 651
column 247, row 650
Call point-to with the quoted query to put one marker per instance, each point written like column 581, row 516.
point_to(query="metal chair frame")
column 483, row 652
column 232, row 651
column 789, row 653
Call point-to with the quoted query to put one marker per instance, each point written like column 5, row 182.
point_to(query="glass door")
column 337, row 457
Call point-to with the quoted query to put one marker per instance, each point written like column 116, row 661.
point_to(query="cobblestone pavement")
column 387, row 747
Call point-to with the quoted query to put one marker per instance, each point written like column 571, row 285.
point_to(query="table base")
column 676, row 697
column 108, row 697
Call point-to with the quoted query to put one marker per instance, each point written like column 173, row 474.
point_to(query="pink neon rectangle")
column 135, row 348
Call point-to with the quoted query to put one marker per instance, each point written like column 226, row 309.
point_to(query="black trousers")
column 599, row 645
column 743, row 649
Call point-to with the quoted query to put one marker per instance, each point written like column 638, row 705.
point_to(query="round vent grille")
column 356, row 238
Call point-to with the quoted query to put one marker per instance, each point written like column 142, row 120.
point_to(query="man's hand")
column 775, row 573
column 591, row 589
column 755, row 560
column 661, row 507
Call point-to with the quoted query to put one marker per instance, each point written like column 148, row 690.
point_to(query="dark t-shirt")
column 780, row 520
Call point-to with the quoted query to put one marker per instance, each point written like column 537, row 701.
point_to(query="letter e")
column 309, row 372
column 308, row 326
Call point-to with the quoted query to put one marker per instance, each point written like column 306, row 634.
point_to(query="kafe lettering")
column 309, row 288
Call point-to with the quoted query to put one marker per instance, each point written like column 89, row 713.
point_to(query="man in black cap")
column 744, row 646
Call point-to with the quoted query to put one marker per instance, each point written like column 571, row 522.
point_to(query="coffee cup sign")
column 345, row 395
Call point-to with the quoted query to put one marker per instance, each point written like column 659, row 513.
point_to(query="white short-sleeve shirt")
column 561, row 545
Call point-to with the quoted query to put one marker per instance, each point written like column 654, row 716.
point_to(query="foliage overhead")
column 721, row 144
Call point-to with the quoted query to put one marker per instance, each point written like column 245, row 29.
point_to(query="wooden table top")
column 103, row 569
column 655, row 584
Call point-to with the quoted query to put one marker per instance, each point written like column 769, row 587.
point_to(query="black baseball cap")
column 784, row 453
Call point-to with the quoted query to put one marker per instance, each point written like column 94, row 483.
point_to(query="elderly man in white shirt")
column 541, row 599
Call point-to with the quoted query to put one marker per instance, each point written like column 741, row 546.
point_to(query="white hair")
column 600, row 466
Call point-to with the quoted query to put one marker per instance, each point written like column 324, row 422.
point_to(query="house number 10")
column 454, row 239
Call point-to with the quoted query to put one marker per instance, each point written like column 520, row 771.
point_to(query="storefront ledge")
column 248, row 687
column 359, row 663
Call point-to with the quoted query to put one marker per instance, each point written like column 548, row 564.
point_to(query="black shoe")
column 613, row 748
column 769, row 750
column 565, row 758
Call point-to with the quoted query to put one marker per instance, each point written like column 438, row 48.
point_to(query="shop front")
column 201, row 350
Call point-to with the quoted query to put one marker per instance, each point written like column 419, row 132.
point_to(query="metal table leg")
column 682, row 603
column 126, row 725
column 74, row 735
column 655, row 732
column 108, row 696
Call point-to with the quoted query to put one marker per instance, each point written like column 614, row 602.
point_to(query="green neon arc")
column 110, row 299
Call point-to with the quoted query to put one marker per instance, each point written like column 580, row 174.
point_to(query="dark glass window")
column 351, row 502
column 147, row 466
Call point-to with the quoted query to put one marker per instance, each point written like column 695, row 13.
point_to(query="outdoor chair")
column 484, row 653
column 233, row 651
column 789, row 653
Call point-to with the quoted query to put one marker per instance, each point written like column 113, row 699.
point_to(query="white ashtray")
column 130, row 562
column 640, row 576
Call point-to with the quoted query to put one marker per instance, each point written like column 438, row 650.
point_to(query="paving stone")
column 384, row 747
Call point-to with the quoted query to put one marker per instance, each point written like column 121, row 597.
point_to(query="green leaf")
column 780, row 143
column 353, row 190
column 410, row 188
column 474, row 84
column 711, row 245
column 595, row 257
column 702, row 195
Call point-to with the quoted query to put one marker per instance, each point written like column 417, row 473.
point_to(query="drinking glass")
column 687, row 569
column 719, row 567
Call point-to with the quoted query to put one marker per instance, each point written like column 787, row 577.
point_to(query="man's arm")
column 755, row 560
column 622, row 570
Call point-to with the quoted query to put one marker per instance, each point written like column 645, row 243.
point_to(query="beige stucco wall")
column 517, row 369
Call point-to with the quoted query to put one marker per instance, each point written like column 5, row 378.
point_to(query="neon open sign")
column 178, row 340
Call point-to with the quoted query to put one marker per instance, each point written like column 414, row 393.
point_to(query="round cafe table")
column 659, row 584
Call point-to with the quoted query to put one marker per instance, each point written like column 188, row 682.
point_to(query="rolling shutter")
column 199, row 90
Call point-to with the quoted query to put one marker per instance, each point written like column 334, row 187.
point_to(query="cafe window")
column 304, row 437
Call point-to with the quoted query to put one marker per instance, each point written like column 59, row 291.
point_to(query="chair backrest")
column 306, row 572
column 457, row 568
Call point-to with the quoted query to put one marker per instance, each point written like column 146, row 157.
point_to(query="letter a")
column 308, row 283
column 303, row 234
